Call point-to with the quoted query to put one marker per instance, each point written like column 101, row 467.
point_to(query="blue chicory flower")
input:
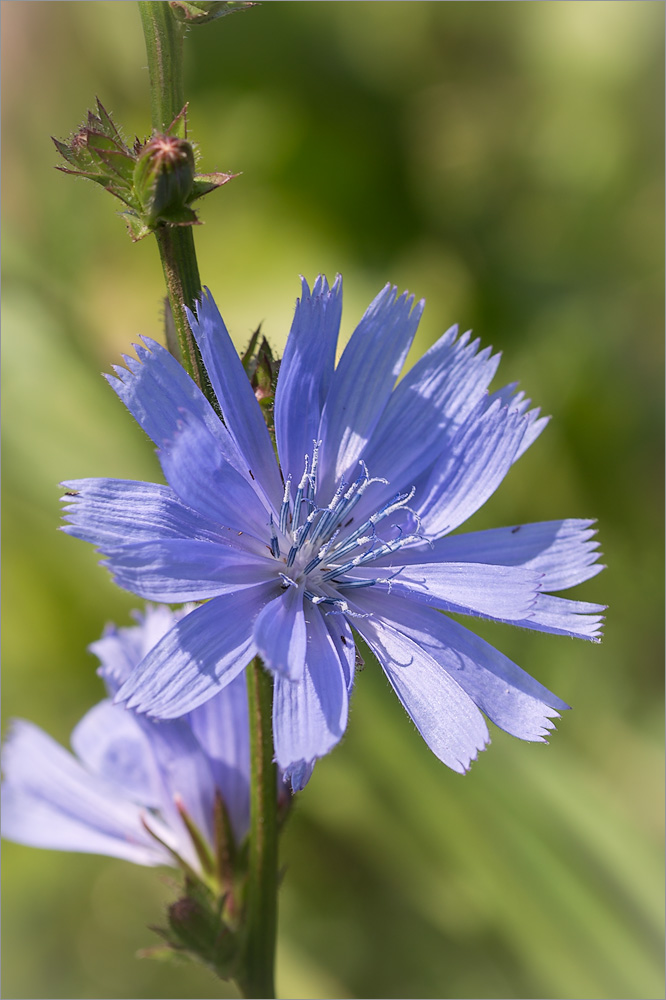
column 136, row 785
column 350, row 532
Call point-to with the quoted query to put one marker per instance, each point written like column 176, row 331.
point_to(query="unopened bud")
column 163, row 179
column 201, row 12
column 262, row 371
column 197, row 927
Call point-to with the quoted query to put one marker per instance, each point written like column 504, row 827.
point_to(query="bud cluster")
column 201, row 13
column 155, row 179
column 205, row 924
column 261, row 368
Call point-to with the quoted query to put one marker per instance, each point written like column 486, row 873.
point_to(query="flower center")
column 319, row 546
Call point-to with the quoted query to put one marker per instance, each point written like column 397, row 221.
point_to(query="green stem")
column 181, row 274
column 256, row 976
column 164, row 48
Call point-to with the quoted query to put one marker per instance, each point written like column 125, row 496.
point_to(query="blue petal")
column 199, row 656
column 305, row 373
column 119, row 511
column 518, row 403
column 196, row 469
column 187, row 777
column 49, row 800
column 280, row 634
column 155, row 764
column 121, row 649
column 175, row 570
column 565, row 552
column 443, row 713
column 471, row 469
column 427, row 407
column 111, row 743
column 512, row 699
column 240, row 409
column 578, row 619
column 362, row 383
column 221, row 726
column 310, row 715
column 157, row 389
column 343, row 640
column 504, row 592
column 158, row 763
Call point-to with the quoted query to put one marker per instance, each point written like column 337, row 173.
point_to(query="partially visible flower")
column 352, row 530
column 149, row 792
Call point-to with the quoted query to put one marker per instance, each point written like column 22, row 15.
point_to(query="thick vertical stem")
column 181, row 274
column 164, row 48
column 176, row 245
column 256, row 977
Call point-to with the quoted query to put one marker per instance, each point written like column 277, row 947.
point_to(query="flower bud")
column 163, row 179
column 154, row 179
column 196, row 926
column 202, row 13
column 262, row 371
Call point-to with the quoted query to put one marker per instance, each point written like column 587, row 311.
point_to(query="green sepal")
column 205, row 183
column 204, row 852
column 67, row 153
column 119, row 163
column 178, row 127
column 136, row 227
column 108, row 125
column 162, row 952
column 262, row 370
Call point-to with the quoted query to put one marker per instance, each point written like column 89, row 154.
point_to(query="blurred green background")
column 503, row 160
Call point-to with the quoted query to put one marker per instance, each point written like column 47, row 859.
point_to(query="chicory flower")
column 348, row 530
column 155, row 793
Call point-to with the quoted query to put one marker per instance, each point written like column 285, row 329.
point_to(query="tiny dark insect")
column 343, row 640
column 347, row 523
column 72, row 493
column 251, row 473
column 514, row 530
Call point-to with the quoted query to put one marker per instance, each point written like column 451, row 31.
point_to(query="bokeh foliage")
column 503, row 160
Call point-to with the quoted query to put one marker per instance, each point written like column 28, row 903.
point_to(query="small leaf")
column 137, row 228
column 205, row 183
column 107, row 123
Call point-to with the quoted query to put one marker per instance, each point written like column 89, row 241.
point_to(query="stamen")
column 321, row 555
column 387, row 547
column 285, row 509
column 316, row 600
column 328, row 518
column 315, row 463
column 302, row 486
column 356, row 584
column 299, row 538
column 344, row 609
column 275, row 543
column 287, row 581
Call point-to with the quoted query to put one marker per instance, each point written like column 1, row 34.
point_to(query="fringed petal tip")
column 464, row 766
